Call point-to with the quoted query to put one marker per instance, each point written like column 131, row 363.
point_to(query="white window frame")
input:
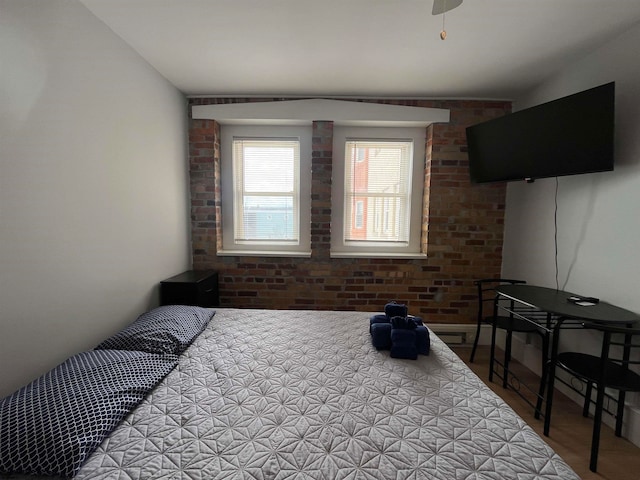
column 342, row 248
column 265, row 248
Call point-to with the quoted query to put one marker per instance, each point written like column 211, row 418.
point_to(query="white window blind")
column 377, row 191
column 267, row 183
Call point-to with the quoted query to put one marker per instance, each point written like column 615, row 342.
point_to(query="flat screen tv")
column 568, row 136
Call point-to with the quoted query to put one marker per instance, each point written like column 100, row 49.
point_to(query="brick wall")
column 462, row 230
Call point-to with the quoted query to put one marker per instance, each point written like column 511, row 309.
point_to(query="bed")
column 264, row 394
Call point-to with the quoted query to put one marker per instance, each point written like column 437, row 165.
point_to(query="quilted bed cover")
column 265, row 394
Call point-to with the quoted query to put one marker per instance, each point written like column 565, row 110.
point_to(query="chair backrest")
column 487, row 293
column 625, row 353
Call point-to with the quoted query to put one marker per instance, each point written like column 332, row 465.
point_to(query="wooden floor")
column 570, row 434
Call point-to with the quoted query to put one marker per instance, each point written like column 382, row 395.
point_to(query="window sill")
column 262, row 253
column 417, row 256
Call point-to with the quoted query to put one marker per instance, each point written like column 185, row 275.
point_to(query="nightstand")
column 194, row 287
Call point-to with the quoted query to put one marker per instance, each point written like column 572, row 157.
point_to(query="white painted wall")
column 93, row 185
column 598, row 214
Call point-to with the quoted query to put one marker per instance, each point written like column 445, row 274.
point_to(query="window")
column 265, row 193
column 266, row 185
column 377, row 174
column 280, row 119
column 377, row 191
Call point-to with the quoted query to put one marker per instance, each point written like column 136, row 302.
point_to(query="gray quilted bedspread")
column 266, row 394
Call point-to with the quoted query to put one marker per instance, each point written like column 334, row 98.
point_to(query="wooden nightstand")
column 194, row 287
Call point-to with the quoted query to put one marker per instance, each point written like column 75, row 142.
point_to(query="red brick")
column 463, row 238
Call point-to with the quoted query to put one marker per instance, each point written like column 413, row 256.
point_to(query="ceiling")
column 383, row 48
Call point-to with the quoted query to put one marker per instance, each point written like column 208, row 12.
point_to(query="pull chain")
column 443, row 33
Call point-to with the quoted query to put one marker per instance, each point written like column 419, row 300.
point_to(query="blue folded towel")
column 423, row 343
column 403, row 343
column 393, row 309
column 381, row 327
column 381, row 335
column 403, row 322
column 379, row 318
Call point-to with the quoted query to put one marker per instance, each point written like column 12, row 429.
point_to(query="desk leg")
column 597, row 424
column 551, row 372
column 545, row 367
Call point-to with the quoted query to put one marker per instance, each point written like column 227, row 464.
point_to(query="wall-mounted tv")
column 568, row 136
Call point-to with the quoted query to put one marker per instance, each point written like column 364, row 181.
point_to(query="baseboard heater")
column 454, row 334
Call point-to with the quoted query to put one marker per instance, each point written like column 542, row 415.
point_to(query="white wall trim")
column 304, row 112
column 466, row 331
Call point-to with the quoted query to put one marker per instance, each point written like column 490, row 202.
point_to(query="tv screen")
column 568, row 136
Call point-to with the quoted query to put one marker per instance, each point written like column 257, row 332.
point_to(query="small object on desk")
column 583, row 301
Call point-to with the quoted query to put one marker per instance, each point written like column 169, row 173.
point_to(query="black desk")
column 554, row 301
column 558, row 312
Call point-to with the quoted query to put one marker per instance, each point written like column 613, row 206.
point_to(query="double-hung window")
column 377, row 191
column 265, row 191
column 266, row 186
column 377, row 214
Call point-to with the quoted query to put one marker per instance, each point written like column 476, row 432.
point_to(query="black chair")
column 486, row 296
column 509, row 323
column 609, row 370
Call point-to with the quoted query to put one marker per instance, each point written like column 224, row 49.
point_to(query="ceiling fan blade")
column 441, row 6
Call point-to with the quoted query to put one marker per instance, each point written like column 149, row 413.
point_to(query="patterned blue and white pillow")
column 167, row 329
column 51, row 426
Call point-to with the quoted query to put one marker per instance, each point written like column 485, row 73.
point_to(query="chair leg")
column 492, row 354
column 587, row 399
column 620, row 412
column 507, row 359
column 475, row 342
column 597, row 423
column 543, row 375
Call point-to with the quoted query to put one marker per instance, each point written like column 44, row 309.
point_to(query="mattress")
column 264, row 394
